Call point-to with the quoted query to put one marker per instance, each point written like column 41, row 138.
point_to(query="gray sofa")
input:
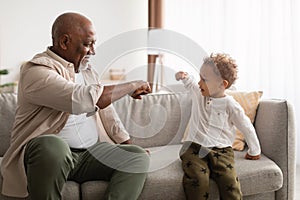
column 158, row 121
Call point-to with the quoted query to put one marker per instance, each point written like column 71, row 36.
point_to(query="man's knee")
column 137, row 151
column 133, row 148
column 48, row 149
column 141, row 157
column 127, row 158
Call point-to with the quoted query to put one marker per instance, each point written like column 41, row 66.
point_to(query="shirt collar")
column 65, row 63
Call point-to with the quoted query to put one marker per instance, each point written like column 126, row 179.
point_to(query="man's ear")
column 63, row 41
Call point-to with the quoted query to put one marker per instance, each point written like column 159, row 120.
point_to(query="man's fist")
column 142, row 88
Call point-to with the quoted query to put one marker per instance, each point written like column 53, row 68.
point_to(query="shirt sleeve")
column 43, row 86
column 84, row 98
column 113, row 125
column 190, row 83
column 243, row 123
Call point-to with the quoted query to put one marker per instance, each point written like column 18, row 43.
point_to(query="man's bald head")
column 68, row 23
column 73, row 38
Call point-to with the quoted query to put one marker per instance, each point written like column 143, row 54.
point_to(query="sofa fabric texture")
column 157, row 123
column 7, row 113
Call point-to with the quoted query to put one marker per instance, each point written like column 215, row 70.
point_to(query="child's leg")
column 223, row 172
column 196, row 172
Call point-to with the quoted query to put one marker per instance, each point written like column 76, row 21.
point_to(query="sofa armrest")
column 8, row 105
column 275, row 126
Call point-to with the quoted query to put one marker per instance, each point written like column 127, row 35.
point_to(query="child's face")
column 211, row 83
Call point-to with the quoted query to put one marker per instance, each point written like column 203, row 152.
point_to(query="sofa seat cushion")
column 71, row 191
column 165, row 176
column 93, row 190
column 258, row 176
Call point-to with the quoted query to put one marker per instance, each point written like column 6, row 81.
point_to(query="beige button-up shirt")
column 46, row 95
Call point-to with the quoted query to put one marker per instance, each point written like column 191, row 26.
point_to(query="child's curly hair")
column 226, row 66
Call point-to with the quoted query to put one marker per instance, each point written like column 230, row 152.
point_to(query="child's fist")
column 248, row 157
column 181, row 75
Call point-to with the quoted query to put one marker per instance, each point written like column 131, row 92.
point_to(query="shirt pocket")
column 217, row 123
column 217, row 118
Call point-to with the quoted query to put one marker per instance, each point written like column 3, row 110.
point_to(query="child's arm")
column 181, row 75
column 187, row 80
column 243, row 123
column 248, row 157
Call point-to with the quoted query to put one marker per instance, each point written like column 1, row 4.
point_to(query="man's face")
column 81, row 46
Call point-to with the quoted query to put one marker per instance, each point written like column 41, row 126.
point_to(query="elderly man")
column 63, row 118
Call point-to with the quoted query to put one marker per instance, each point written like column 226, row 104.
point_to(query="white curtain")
column 261, row 35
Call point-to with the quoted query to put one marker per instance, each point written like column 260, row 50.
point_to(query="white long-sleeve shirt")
column 214, row 121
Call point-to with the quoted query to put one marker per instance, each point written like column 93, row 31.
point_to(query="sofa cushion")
column 249, row 101
column 93, row 190
column 71, row 191
column 8, row 103
column 156, row 119
column 164, row 181
column 257, row 176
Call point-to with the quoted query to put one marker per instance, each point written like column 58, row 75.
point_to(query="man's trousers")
column 49, row 163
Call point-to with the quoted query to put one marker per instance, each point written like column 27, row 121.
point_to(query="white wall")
column 25, row 26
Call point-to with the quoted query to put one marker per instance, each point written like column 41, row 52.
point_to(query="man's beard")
column 84, row 63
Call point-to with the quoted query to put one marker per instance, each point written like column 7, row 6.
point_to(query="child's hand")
column 248, row 157
column 181, row 75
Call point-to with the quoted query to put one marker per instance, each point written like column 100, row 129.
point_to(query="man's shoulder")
column 43, row 60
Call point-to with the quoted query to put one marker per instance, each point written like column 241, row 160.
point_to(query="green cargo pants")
column 200, row 163
column 49, row 163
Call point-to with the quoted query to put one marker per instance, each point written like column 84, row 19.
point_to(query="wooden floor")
column 297, row 188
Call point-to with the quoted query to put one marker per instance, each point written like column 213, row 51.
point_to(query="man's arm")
column 113, row 125
column 112, row 93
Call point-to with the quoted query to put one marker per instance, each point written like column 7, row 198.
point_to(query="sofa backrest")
column 8, row 104
column 156, row 119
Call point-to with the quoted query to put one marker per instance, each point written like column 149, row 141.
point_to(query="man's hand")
column 181, row 75
column 111, row 93
column 143, row 88
column 248, row 157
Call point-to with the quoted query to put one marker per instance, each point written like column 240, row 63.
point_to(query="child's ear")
column 225, row 83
